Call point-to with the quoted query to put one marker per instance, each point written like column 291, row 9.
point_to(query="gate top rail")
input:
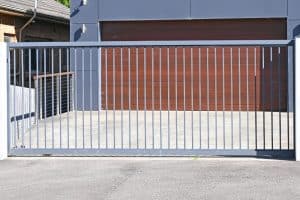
column 152, row 43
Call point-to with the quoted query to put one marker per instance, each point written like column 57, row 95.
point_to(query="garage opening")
column 207, row 70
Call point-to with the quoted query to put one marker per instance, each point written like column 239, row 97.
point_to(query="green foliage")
column 65, row 2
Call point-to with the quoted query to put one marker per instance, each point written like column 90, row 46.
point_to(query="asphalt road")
column 148, row 178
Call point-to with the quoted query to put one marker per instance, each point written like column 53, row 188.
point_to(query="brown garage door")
column 199, row 86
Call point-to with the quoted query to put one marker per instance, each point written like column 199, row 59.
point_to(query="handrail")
column 35, row 77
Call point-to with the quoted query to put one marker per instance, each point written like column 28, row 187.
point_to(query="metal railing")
column 157, row 98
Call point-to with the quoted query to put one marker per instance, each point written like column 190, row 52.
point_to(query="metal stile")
column 264, row 98
column 129, row 96
column 145, row 99
column 200, row 98
column 223, row 93
column 152, row 96
column 68, row 101
column 240, row 117
column 37, row 98
column 207, row 93
column 176, row 98
column 23, row 111
column 45, row 97
column 216, row 100
column 231, row 97
column 91, row 98
column 137, row 97
column 168, row 60
column 184, row 102
column 106, row 101
column 279, row 96
column 122, row 118
column 192, row 98
column 30, row 131
column 247, row 83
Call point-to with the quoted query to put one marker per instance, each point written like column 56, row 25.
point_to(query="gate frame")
column 5, row 81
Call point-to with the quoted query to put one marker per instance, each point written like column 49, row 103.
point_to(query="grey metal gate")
column 162, row 98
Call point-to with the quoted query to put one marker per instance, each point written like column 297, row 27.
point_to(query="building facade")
column 136, row 20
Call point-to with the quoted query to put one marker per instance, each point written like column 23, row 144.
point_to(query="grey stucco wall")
column 116, row 10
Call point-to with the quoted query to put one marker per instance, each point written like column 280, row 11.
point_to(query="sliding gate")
column 177, row 98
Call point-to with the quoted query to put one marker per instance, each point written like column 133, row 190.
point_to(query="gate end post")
column 297, row 98
column 4, row 101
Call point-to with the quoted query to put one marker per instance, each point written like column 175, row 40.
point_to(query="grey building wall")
column 117, row 10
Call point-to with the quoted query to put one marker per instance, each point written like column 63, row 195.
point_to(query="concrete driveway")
column 148, row 178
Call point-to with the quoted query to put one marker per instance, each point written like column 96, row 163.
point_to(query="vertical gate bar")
column 30, row 126
column 137, row 96
column 200, row 98
column 106, row 102
column 271, row 66
column 216, row 100
column 160, row 117
column 8, row 127
column 68, row 98
column 145, row 100
column 247, row 78
column 264, row 91
column 240, row 125
column 99, row 54
column 184, row 106
column 60, row 101
column 207, row 91
column 23, row 110
column 114, row 98
column 168, row 60
column 37, row 97
column 83, row 95
column 122, row 93
column 223, row 88
column 288, row 113
column 231, row 96
column 176, row 98
column 255, row 100
column 45, row 97
column 192, row 97
column 129, row 94
column 279, row 95
column 91, row 99
column 152, row 85
column 15, row 85
column 75, row 94
column 52, row 95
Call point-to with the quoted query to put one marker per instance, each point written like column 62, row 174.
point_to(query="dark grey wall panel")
column 91, row 34
column 211, row 9
column 84, row 13
column 143, row 9
column 293, row 9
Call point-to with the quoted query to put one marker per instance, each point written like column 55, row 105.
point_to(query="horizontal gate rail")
column 152, row 98
column 283, row 154
column 153, row 43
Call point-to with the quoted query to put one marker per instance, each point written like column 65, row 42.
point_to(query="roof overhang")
column 39, row 16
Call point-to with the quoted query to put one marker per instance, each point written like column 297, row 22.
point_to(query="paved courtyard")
column 144, row 178
column 145, row 129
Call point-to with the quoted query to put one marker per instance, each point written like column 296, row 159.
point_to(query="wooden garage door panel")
column 266, row 87
column 230, row 29
column 259, row 94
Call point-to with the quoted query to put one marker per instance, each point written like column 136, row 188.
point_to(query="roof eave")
column 40, row 16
